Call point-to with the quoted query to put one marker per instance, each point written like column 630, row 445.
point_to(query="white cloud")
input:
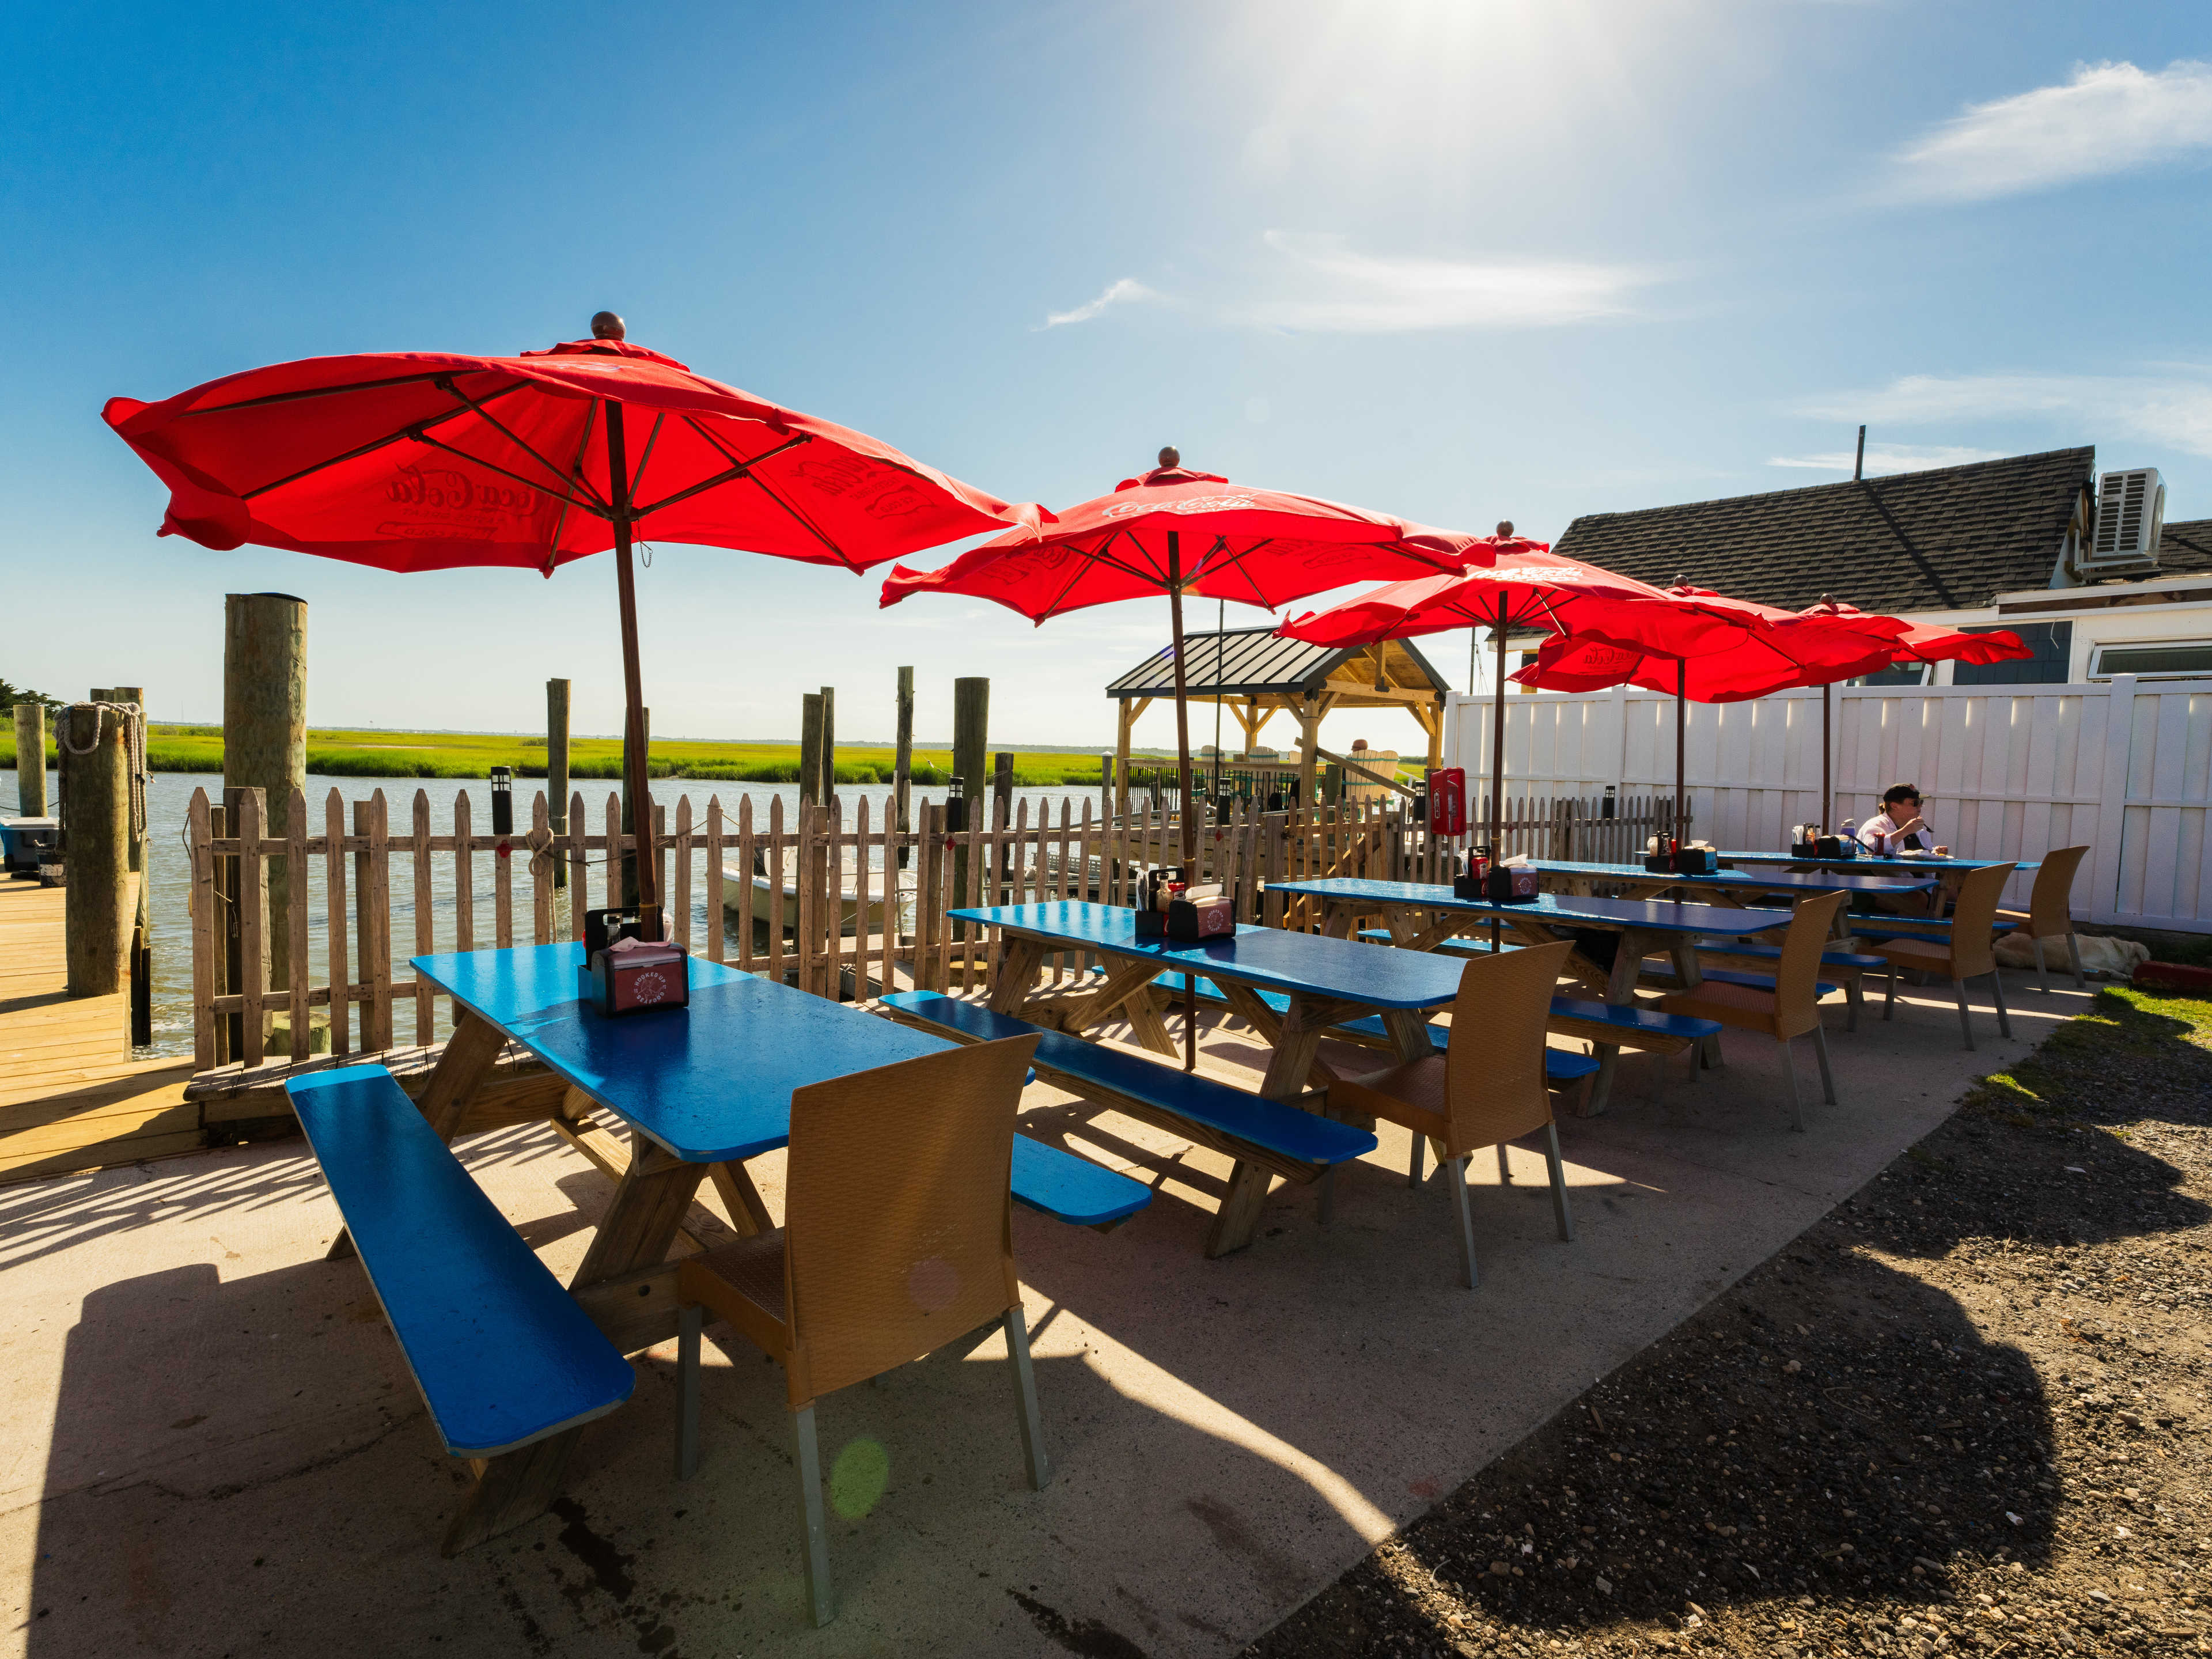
column 1883, row 460
column 2109, row 118
column 1334, row 289
column 2171, row 407
column 1127, row 291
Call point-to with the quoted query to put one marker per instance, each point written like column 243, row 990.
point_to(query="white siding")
column 2008, row 771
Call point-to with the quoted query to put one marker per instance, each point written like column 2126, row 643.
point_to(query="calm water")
column 168, row 800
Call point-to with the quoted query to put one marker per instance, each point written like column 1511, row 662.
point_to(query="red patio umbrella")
column 431, row 460
column 1782, row 649
column 1917, row 643
column 1261, row 547
column 1523, row 589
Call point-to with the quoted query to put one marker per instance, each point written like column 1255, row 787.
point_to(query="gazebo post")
column 1124, row 724
column 1308, row 713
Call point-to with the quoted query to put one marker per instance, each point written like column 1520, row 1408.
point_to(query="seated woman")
column 1899, row 828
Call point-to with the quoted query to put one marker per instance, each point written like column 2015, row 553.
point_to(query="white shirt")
column 1878, row 834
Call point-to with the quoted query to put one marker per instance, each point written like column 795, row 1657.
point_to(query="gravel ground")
column 1963, row 1413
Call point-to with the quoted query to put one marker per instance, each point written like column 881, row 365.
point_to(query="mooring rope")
column 131, row 718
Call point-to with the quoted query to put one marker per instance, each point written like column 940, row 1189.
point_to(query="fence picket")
column 337, row 976
column 426, row 1013
column 297, row 997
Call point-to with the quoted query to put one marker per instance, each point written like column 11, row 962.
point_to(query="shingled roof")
column 1950, row 538
column 2185, row 548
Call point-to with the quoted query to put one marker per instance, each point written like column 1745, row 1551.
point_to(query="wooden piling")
column 265, row 737
column 902, row 773
column 98, row 914
column 556, row 769
column 971, row 718
column 810, row 749
column 31, row 756
column 141, row 930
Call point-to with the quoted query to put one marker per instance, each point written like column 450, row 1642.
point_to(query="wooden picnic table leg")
column 1297, row 1036
column 1620, row 992
column 741, row 1198
column 467, row 1059
column 1017, row 972
column 1336, row 918
column 1683, row 948
column 470, row 1055
column 1127, row 985
column 1409, row 1032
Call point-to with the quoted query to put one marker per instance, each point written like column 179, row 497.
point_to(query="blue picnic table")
column 1644, row 925
column 705, row 1087
column 1329, row 980
column 1928, row 865
column 1828, row 879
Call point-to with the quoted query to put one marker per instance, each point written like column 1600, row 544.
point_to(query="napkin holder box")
column 633, row 975
column 1835, row 847
column 1509, row 883
column 1696, row 862
column 1190, row 920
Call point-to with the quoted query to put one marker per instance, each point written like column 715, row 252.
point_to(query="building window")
column 2165, row 659
column 1901, row 673
column 2052, row 643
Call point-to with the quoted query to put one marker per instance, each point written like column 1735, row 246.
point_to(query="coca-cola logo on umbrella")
column 1188, row 505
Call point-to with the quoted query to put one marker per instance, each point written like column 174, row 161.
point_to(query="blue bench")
column 1560, row 1068
column 1057, row 1183
column 1628, row 1028
column 1280, row 1139
column 502, row 1354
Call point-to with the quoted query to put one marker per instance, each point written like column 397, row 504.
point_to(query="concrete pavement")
column 208, row 1444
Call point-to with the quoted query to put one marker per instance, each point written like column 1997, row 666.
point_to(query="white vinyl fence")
column 2009, row 772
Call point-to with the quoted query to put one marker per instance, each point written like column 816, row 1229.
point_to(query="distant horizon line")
column 671, row 737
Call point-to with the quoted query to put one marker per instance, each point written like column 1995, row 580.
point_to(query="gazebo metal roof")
column 1255, row 662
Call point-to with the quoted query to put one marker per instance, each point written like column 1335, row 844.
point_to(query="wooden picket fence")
column 870, row 911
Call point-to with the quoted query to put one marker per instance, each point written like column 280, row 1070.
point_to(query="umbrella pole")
column 1827, row 789
column 641, row 796
column 1497, row 771
column 1681, row 728
column 1182, row 762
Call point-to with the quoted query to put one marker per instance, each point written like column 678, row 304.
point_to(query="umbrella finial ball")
column 606, row 325
column 1170, row 456
column 1505, row 528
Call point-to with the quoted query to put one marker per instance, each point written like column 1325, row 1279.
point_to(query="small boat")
column 779, row 895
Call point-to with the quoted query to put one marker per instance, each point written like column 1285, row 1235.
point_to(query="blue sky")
column 1454, row 259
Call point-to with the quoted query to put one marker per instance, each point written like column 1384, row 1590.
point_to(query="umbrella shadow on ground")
column 272, row 1492
column 189, row 1410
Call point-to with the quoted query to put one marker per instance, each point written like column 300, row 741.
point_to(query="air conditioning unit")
column 2131, row 514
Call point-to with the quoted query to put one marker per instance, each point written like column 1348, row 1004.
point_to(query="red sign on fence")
column 1448, row 801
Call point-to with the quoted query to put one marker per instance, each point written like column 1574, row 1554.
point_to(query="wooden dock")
column 70, row 1096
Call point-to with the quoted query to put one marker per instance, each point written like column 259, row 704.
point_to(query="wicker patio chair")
column 1784, row 1007
column 897, row 1238
column 1486, row 1089
column 2049, row 912
column 1966, row 955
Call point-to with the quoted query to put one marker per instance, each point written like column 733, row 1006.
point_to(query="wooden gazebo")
column 1256, row 675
